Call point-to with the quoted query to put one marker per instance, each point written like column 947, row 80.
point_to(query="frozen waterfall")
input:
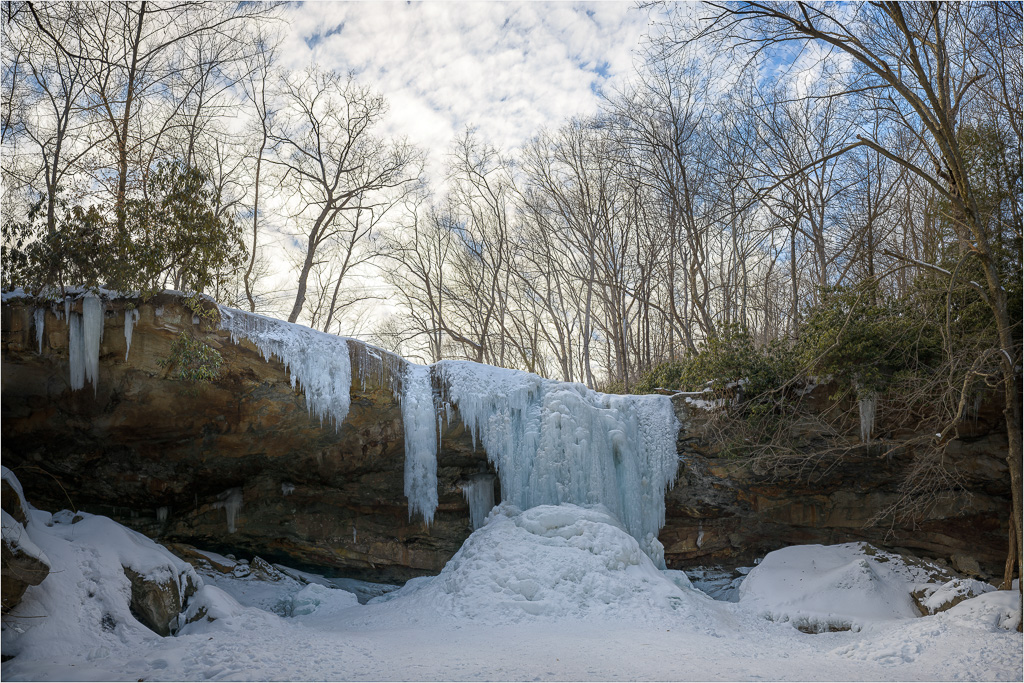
column 419, row 421
column 317, row 361
column 555, row 442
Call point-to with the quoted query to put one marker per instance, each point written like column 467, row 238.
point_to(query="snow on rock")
column 820, row 588
column 317, row 361
column 556, row 442
column 993, row 610
column 419, row 422
column 551, row 562
column 84, row 605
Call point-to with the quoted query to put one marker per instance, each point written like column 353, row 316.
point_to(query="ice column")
column 418, row 418
column 231, row 501
column 76, row 351
column 479, row 493
column 556, row 442
column 317, row 361
column 131, row 316
column 39, row 320
column 867, row 407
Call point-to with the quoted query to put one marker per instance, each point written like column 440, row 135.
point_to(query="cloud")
column 508, row 69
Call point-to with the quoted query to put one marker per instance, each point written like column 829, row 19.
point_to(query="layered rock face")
column 238, row 465
column 176, row 459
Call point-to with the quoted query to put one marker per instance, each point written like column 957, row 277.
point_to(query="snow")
column 131, row 316
column 556, row 442
column 550, row 593
column 550, row 562
column 820, row 588
column 317, row 361
column 479, row 494
column 419, row 422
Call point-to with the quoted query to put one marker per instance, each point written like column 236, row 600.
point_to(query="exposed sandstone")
column 161, row 456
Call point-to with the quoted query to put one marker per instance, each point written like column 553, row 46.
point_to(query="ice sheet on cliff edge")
column 317, row 361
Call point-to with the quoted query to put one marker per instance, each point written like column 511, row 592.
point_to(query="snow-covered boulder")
column 24, row 564
column 839, row 587
column 106, row 582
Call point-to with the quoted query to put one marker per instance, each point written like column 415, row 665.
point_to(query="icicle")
column 555, row 442
column 76, row 351
column 287, row 489
column 131, row 316
column 420, row 442
column 317, row 361
column 231, row 501
column 479, row 493
column 39, row 320
column 92, row 333
column 867, row 416
column 161, row 514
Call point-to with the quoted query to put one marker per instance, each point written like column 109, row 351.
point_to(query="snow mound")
column 213, row 609
column 83, row 605
column 828, row 588
column 321, row 600
column 551, row 562
column 993, row 610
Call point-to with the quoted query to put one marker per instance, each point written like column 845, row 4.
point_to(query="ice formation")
column 76, row 351
column 479, row 493
column 39, row 320
column 131, row 316
column 85, row 331
column 555, row 442
column 867, row 407
column 418, row 418
column 231, row 501
column 161, row 514
column 287, row 488
column 317, row 361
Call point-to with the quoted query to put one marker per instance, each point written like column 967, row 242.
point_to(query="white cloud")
column 509, row 69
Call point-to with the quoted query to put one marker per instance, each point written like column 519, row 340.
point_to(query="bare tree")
column 323, row 140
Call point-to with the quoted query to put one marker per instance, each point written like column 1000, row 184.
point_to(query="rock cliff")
column 178, row 460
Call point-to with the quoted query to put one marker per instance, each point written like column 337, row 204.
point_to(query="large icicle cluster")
column 479, row 494
column 419, row 420
column 85, row 331
column 317, row 361
column 555, row 442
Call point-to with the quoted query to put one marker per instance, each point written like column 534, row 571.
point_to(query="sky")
column 508, row 69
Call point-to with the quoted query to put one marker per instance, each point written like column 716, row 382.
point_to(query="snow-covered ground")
column 552, row 593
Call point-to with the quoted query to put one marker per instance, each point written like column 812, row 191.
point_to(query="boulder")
column 20, row 569
column 157, row 603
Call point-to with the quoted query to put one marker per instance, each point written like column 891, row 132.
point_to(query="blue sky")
column 507, row 68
